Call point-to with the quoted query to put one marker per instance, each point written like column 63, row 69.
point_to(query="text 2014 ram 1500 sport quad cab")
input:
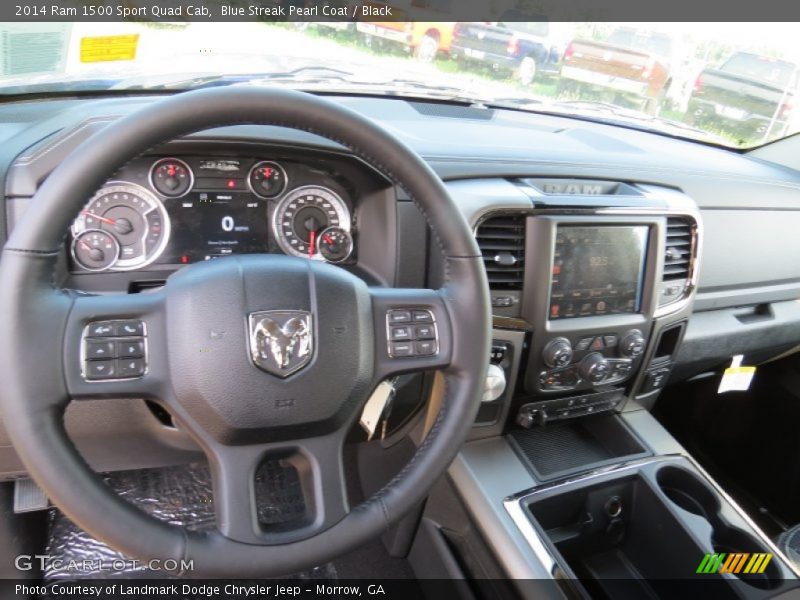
column 284, row 315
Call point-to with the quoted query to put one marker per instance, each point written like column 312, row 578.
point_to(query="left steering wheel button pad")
column 114, row 350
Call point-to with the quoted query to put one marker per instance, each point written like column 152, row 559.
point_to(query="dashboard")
column 617, row 260
column 167, row 211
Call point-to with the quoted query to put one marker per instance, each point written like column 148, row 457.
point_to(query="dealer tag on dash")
column 736, row 378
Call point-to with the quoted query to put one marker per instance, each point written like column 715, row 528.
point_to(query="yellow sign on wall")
column 109, row 48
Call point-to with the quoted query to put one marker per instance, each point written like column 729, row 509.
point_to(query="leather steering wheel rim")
column 35, row 322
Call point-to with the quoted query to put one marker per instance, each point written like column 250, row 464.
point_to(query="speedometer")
column 303, row 215
column 134, row 217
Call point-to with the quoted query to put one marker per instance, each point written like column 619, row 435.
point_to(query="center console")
column 569, row 486
column 599, row 284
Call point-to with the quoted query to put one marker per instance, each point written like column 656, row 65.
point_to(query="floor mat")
column 180, row 495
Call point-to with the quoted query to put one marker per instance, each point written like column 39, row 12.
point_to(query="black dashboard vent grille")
column 502, row 243
column 678, row 250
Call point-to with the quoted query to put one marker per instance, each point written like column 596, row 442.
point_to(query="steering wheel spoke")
column 412, row 331
column 114, row 347
column 278, row 493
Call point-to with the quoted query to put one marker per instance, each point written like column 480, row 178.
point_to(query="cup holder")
column 688, row 491
column 732, row 541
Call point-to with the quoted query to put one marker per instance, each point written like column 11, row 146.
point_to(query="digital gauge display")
column 211, row 225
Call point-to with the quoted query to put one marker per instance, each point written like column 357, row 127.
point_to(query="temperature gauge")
column 171, row 177
column 95, row 250
column 335, row 244
column 267, row 179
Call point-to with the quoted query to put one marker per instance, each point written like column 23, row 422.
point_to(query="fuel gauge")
column 95, row 250
column 335, row 244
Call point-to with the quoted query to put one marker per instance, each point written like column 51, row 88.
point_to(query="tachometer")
column 134, row 217
column 303, row 215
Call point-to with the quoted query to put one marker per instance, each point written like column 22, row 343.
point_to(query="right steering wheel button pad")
column 113, row 350
column 410, row 337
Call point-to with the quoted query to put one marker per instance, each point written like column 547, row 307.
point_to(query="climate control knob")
column 594, row 367
column 632, row 344
column 557, row 352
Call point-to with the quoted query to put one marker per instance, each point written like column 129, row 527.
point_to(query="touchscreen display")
column 597, row 270
column 207, row 225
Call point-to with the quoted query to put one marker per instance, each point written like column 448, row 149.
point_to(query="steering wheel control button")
column 425, row 348
column 402, row 349
column 401, row 333
column 100, row 369
column 99, row 350
column 400, row 316
column 132, row 328
column 411, row 340
column 424, row 332
column 114, row 350
column 130, row 367
column 101, row 329
column 130, row 349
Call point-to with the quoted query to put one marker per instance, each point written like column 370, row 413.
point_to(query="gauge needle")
column 327, row 239
column 85, row 245
column 312, row 243
column 99, row 218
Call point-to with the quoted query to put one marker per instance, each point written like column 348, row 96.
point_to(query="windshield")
column 732, row 84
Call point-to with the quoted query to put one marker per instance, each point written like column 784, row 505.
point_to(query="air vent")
column 502, row 242
column 678, row 250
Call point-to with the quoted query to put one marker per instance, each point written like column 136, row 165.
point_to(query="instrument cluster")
column 177, row 211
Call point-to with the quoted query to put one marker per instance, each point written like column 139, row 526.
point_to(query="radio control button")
column 557, row 352
column 594, row 367
column 583, row 344
column 401, row 333
column 425, row 348
column 597, row 344
column 402, row 349
column 632, row 344
column 423, row 316
column 400, row 316
column 424, row 332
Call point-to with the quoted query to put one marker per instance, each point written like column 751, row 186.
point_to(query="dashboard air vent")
column 502, row 242
column 678, row 250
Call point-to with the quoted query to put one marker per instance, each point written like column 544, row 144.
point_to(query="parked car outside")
column 526, row 49
column 423, row 39
column 749, row 95
column 634, row 65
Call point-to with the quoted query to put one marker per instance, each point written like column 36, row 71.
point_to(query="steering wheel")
column 257, row 357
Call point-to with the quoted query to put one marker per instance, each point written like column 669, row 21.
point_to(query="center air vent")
column 678, row 249
column 502, row 243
